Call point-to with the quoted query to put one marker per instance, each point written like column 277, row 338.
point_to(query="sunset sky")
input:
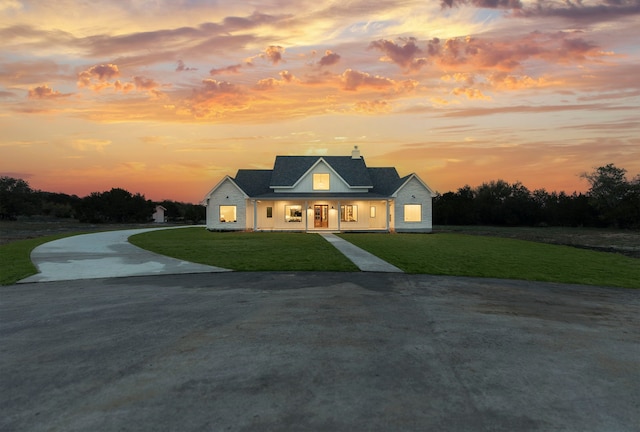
column 165, row 97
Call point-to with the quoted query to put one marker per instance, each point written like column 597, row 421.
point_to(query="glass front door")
column 321, row 216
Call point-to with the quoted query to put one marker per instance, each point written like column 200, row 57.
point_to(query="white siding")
column 413, row 188
column 226, row 193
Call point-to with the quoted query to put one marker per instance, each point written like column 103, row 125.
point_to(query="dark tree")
column 16, row 198
column 616, row 199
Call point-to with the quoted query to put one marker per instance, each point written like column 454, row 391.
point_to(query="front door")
column 321, row 218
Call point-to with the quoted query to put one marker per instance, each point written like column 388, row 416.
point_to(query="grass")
column 438, row 254
column 482, row 256
column 15, row 258
column 247, row 251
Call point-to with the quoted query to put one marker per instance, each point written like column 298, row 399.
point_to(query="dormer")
column 328, row 174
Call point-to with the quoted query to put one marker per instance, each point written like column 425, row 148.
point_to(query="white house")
column 320, row 193
column 158, row 214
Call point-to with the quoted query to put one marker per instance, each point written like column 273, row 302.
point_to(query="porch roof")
column 314, row 196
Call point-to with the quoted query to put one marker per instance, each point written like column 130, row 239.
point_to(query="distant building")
column 320, row 193
column 158, row 214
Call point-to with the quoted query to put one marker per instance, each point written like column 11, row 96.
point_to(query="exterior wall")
column 158, row 215
column 278, row 222
column 336, row 184
column 405, row 195
column 379, row 222
column 219, row 197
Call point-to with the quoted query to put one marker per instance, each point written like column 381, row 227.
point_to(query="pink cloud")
column 273, row 53
column 329, row 58
column 99, row 72
column 233, row 69
column 181, row 67
column 405, row 55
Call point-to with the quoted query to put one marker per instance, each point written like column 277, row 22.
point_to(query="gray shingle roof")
column 385, row 180
column 253, row 182
column 288, row 169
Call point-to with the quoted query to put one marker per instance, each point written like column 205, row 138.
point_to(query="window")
column 412, row 212
column 372, row 212
column 269, row 212
column 348, row 213
column 321, row 182
column 293, row 213
column 227, row 213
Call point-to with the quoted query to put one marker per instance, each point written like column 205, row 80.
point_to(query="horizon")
column 166, row 98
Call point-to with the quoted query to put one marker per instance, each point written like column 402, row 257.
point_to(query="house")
column 320, row 193
column 158, row 214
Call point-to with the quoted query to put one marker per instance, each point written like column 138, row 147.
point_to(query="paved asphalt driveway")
column 317, row 351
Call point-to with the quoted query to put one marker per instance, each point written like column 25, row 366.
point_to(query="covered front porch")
column 319, row 215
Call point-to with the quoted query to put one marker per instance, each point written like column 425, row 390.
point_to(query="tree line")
column 613, row 200
column 117, row 205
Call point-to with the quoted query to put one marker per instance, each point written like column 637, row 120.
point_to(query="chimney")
column 355, row 153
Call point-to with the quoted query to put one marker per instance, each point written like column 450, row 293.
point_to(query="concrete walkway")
column 109, row 254
column 365, row 261
column 104, row 255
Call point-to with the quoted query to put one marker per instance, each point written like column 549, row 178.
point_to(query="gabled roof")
column 378, row 182
column 224, row 179
column 385, row 180
column 404, row 180
column 287, row 170
column 254, row 182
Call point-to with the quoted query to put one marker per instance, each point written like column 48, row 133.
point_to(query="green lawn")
column 469, row 255
column 247, row 251
column 15, row 258
column 439, row 254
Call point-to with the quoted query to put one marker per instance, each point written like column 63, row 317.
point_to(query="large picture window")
column 227, row 213
column 413, row 213
column 321, row 182
column 293, row 213
column 348, row 213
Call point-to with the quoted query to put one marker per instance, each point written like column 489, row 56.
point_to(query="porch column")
column 255, row 215
column 306, row 216
column 339, row 218
column 388, row 214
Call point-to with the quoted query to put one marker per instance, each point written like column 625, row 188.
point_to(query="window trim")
column 344, row 212
column 289, row 217
column 235, row 213
column 419, row 207
column 319, row 184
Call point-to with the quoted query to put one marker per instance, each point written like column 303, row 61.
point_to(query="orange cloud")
column 46, row 92
column 214, row 98
column 372, row 107
column 352, row 80
column 469, row 53
column 99, row 72
column 470, row 93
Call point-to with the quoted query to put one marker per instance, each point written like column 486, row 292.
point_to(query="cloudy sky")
column 165, row 97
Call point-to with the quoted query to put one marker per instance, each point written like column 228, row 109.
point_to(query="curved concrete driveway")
column 104, row 255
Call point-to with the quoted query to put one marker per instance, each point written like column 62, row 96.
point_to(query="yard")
column 463, row 251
